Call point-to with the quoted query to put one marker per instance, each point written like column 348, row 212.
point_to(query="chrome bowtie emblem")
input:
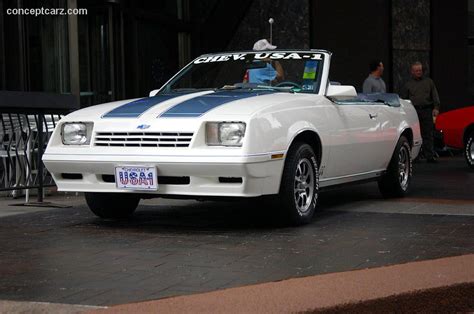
column 143, row 126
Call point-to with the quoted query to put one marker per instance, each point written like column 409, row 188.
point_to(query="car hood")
column 188, row 105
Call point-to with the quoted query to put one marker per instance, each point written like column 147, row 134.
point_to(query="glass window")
column 36, row 48
column 296, row 72
column 47, row 49
column 94, row 56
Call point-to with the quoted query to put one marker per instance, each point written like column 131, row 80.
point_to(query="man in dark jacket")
column 424, row 96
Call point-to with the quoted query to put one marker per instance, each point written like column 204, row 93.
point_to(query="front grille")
column 143, row 139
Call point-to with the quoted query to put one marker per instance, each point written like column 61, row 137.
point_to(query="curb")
column 423, row 285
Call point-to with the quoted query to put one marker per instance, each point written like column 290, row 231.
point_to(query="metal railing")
column 23, row 138
column 27, row 120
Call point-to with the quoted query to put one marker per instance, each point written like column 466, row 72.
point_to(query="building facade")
column 123, row 48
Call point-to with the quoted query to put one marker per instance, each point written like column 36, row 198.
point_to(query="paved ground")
column 9, row 307
column 17, row 206
column 182, row 247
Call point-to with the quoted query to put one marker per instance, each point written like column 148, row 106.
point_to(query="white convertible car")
column 227, row 126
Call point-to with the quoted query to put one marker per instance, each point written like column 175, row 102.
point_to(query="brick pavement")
column 69, row 256
column 176, row 248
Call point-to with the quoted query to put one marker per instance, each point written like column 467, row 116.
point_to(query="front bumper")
column 260, row 174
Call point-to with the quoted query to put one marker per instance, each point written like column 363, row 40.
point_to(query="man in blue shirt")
column 374, row 82
column 271, row 73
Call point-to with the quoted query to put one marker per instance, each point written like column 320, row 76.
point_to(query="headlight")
column 225, row 133
column 76, row 133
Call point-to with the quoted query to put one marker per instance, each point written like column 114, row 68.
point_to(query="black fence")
column 27, row 121
column 21, row 145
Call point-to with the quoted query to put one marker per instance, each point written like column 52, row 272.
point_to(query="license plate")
column 136, row 178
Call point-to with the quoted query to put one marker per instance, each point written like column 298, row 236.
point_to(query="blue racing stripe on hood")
column 196, row 107
column 136, row 108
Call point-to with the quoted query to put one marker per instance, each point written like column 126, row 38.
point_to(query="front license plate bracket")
column 142, row 178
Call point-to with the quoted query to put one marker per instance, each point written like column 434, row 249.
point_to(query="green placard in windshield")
column 310, row 70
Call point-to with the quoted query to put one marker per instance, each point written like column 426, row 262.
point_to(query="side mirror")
column 341, row 92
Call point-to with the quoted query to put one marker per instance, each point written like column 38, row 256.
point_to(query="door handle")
column 373, row 115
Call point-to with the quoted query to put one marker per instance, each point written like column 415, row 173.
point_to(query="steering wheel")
column 288, row 84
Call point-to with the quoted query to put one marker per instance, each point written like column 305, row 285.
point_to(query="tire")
column 300, row 172
column 112, row 205
column 469, row 150
column 396, row 181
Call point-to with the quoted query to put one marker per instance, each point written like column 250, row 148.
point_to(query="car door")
column 357, row 139
column 387, row 118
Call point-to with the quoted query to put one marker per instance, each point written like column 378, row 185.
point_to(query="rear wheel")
column 299, row 185
column 469, row 150
column 396, row 181
column 112, row 205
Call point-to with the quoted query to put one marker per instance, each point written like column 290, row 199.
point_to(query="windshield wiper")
column 178, row 90
column 234, row 87
column 190, row 89
column 252, row 86
column 289, row 89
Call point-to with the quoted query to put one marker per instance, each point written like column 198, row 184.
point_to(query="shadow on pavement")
column 450, row 179
column 206, row 216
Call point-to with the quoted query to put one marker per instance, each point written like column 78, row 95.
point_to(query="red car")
column 457, row 127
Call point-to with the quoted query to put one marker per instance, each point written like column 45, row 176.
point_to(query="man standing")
column 424, row 96
column 374, row 83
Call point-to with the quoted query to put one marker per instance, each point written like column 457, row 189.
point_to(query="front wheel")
column 396, row 181
column 112, row 205
column 469, row 150
column 299, row 185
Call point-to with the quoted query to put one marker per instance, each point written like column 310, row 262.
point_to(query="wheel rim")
column 471, row 150
column 304, row 185
column 403, row 167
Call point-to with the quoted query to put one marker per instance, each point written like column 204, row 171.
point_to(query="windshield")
column 295, row 72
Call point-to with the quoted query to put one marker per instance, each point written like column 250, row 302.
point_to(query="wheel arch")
column 408, row 133
column 312, row 138
column 467, row 132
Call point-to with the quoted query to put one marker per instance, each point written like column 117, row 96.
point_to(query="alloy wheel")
column 403, row 167
column 304, row 185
